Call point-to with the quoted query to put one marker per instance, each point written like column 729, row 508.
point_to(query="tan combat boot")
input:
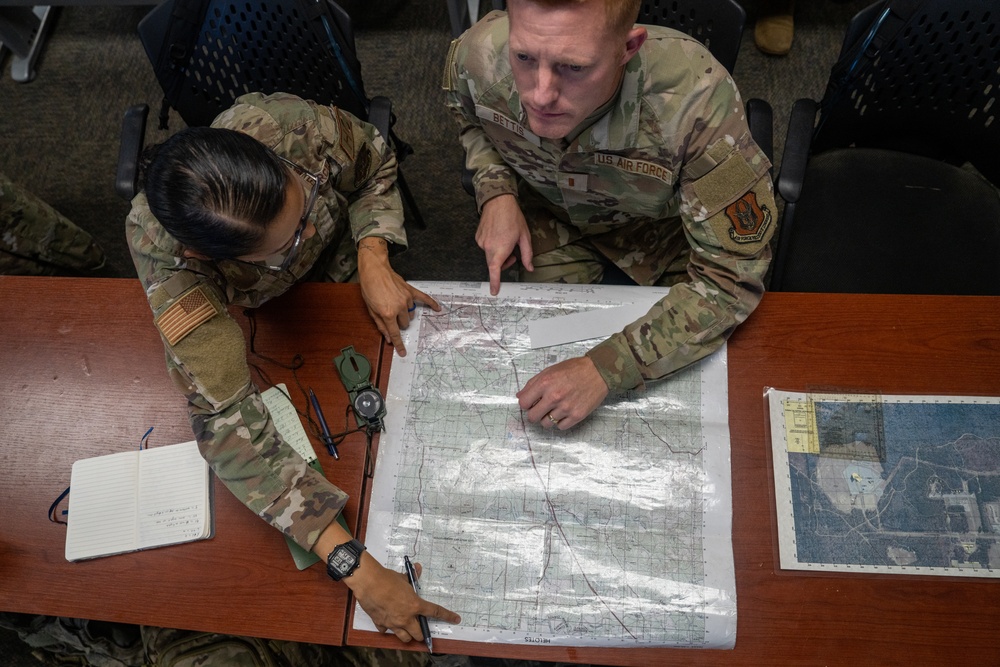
column 775, row 27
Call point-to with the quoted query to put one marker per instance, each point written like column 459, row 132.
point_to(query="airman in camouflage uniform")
column 662, row 180
column 205, row 353
column 35, row 239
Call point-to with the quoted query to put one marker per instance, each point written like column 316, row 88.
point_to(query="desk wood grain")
column 83, row 374
column 888, row 344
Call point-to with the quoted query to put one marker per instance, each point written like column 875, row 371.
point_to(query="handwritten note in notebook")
column 138, row 499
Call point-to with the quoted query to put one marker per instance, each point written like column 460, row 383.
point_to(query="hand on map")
column 563, row 395
column 390, row 299
column 389, row 600
column 502, row 229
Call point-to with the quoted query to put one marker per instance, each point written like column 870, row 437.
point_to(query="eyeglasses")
column 293, row 250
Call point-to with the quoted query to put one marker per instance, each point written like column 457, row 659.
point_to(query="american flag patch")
column 185, row 315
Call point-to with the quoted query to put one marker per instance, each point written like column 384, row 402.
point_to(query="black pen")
column 327, row 438
column 411, row 574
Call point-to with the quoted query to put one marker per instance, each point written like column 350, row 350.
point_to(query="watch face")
column 368, row 403
column 342, row 560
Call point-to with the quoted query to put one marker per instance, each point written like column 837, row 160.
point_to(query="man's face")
column 566, row 63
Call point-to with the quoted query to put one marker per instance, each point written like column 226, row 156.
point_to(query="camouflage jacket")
column 205, row 350
column 35, row 239
column 667, row 168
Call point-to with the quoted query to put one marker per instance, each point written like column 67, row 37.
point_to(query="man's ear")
column 194, row 254
column 633, row 41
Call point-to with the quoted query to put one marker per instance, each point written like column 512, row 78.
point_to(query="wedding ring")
column 411, row 308
column 552, row 419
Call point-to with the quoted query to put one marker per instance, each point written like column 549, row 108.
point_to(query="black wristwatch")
column 344, row 559
column 366, row 400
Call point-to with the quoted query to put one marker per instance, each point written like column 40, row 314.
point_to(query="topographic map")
column 887, row 484
column 615, row 532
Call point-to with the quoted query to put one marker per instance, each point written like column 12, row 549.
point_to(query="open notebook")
column 138, row 499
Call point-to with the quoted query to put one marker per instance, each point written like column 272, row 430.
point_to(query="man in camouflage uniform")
column 189, row 293
column 37, row 240
column 596, row 143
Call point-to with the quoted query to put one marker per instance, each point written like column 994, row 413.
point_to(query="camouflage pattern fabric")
column 37, row 240
column 182, row 648
column 665, row 172
column 60, row 641
column 205, row 351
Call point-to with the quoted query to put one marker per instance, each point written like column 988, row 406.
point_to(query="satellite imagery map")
column 888, row 484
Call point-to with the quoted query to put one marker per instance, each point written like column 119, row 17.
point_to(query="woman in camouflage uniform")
column 278, row 190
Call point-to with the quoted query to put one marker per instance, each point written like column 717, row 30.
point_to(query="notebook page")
column 101, row 510
column 287, row 421
column 173, row 495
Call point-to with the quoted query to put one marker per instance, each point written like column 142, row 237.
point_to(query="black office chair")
column 206, row 53
column 718, row 24
column 463, row 13
column 877, row 199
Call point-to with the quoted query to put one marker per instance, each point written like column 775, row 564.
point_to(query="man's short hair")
column 621, row 13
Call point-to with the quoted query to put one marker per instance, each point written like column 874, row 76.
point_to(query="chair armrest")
column 458, row 16
column 798, row 142
column 760, row 118
column 467, row 175
column 380, row 115
column 133, row 137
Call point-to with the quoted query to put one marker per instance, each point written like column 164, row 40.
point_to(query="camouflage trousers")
column 35, row 239
column 581, row 263
column 78, row 642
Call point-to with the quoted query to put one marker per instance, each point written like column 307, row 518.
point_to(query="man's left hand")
column 563, row 395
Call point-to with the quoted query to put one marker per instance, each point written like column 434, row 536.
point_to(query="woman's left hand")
column 390, row 299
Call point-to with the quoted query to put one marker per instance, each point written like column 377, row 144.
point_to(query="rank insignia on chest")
column 749, row 220
column 576, row 182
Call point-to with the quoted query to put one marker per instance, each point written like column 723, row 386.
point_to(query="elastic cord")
column 52, row 508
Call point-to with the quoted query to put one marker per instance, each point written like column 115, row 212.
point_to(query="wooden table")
column 887, row 344
column 83, row 374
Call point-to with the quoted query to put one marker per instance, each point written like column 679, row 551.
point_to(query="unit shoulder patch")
column 749, row 220
column 744, row 226
column 362, row 166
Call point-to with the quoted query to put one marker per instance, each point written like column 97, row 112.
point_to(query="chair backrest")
column 918, row 76
column 206, row 53
column 718, row 24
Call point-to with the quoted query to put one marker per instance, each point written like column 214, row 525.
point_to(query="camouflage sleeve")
column 206, row 359
column 694, row 319
column 727, row 211
column 237, row 437
column 491, row 175
column 35, row 239
column 367, row 174
column 359, row 162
